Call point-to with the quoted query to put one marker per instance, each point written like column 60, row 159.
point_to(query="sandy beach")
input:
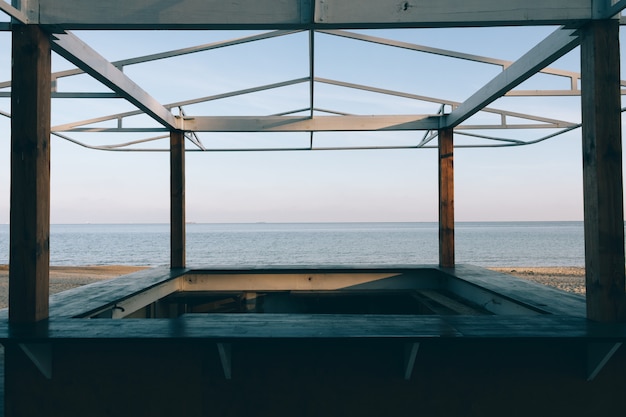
column 62, row 278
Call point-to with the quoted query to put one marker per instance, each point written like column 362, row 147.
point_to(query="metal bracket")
column 41, row 356
column 225, row 352
column 410, row 354
column 598, row 354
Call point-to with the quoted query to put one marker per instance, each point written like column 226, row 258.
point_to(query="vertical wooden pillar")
column 30, row 175
column 177, row 199
column 446, row 198
column 602, row 171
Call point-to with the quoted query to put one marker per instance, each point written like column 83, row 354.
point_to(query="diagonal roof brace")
column 15, row 13
column 607, row 9
column 543, row 54
column 83, row 56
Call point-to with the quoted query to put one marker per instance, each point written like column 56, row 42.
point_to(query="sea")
column 487, row 244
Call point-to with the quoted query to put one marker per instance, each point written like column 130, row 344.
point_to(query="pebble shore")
column 569, row 279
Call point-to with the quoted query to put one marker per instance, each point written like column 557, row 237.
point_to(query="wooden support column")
column 446, row 198
column 177, row 199
column 29, row 256
column 602, row 171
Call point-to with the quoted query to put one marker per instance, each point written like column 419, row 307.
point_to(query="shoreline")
column 62, row 278
column 566, row 278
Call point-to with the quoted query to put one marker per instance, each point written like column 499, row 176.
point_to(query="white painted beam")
column 307, row 124
column 547, row 51
column 15, row 13
column 573, row 76
column 83, row 56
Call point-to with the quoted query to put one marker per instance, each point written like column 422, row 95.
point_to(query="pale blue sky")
column 539, row 182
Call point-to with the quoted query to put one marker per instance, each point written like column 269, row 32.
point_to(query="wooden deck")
column 529, row 310
column 480, row 284
column 535, row 312
column 526, row 331
column 243, row 327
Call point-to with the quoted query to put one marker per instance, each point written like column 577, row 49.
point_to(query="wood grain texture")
column 177, row 200
column 242, row 327
column 542, row 298
column 30, row 175
column 297, row 13
column 93, row 297
column 602, row 172
column 446, row 198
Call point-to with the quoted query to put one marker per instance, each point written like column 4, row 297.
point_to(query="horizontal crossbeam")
column 208, row 14
column 308, row 124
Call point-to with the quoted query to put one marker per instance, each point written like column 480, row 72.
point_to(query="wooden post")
column 29, row 256
column 177, row 199
column 446, row 198
column 602, row 171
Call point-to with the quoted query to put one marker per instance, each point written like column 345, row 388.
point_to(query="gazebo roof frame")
column 319, row 16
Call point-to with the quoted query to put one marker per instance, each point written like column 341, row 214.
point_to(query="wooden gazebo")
column 475, row 343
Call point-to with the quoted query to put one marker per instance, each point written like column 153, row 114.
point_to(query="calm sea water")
column 478, row 243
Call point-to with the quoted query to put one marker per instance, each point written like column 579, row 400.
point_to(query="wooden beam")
column 84, row 57
column 182, row 14
column 602, row 172
column 308, row 124
column 543, row 54
column 451, row 12
column 29, row 257
column 40, row 355
column 15, row 13
column 410, row 354
column 256, row 14
column 446, row 198
column 598, row 355
column 225, row 353
column 615, row 7
column 177, row 199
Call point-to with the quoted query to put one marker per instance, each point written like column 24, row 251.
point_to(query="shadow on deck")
column 276, row 341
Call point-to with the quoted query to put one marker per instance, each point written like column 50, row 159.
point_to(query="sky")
column 531, row 183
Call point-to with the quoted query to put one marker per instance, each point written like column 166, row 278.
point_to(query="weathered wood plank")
column 30, row 175
column 451, row 12
column 602, row 172
column 446, row 198
column 496, row 292
column 93, row 297
column 177, row 199
column 151, row 14
column 302, row 281
column 543, row 299
column 242, row 327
